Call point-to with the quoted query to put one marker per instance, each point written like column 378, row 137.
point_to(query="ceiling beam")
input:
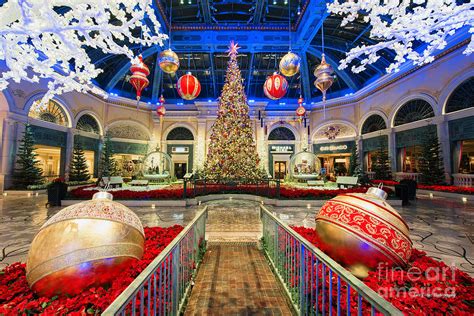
column 126, row 67
column 213, row 73
column 311, row 22
column 258, row 11
column 157, row 78
column 341, row 73
column 206, row 11
column 304, row 73
column 250, row 74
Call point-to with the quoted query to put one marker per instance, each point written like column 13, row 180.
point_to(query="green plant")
column 79, row 170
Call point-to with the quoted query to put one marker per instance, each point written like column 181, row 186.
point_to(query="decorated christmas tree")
column 232, row 152
column 431, row 162
column 107, row 162
column 27, row 171
column 79, row 170
column 381, row 164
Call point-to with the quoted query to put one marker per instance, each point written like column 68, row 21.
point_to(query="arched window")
column 88, row 123
column 50, row 112
column 281, row 133
column 462, row 97
column 180, row 133
column 373, row 123
column 412, row 111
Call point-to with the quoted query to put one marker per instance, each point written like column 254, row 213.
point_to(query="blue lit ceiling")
column 201, row 31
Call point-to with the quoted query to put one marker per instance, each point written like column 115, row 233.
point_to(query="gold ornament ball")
column 169, row 61
column 290, row 64
column 85, row 244
column 361, row 231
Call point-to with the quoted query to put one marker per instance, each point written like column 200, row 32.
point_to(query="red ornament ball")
column 139, row 79
column 188, row 87
column 275, row 86
column 161, row 110
column 362, row 231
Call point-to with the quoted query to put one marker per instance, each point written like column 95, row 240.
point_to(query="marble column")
column 8, row 146
column 443, row 138
column 69, row 151
column 392, row 150
column 200, row 144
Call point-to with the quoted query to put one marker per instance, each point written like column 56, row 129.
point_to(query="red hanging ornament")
column 188, row 87
column 162, row 100
column 161, row 110
column 139, row 79
column 275, row 86
column 300, row 111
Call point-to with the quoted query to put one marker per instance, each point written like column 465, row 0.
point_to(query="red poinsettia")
column 440, row 188
column 16, row 298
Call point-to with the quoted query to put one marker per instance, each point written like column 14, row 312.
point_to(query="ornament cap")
column 378, row 193
column 103, row 195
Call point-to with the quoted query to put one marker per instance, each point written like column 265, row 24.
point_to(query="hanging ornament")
column 161, row 110
column 139, row 79
column 361, row 230
column 162, row 100
column 300, row 111
column 169, row 61
column 290, row 64
column 275, row 86
column 188, row 87
column 324, row 78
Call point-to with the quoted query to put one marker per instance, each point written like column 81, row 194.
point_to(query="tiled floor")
column 442, row 227
column 235, row 279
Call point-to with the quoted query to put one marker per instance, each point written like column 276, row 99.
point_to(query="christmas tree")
column 232, row 153
column 431, row 162
column 27, row 171
column 79, row 170
column 381, row 164
column 354, row 161
column 107, row 162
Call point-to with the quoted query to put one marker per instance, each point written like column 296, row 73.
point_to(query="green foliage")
column 430, row 164
column 27, row 171
column 79, row 170
column 355, row 168
column 381, row 164
column 108, row 166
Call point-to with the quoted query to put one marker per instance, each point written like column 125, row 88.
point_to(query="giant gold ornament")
column 85, row 244
column 169, row 61
column 361, row 231
column 290, row 64
column 324, row 78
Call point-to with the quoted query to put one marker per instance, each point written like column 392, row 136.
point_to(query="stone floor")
column 442, row 227
column 235, row 279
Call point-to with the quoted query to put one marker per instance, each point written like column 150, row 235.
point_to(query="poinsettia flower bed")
column 425, row 287
column 175, row 192
column 440, row 188
column 16, row 298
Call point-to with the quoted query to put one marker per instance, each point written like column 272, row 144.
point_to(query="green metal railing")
column 316, row 284
column 162, row 288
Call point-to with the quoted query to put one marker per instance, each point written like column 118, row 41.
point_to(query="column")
column 360, row 151
column 7, row 152
column 392, row 151
column 200, row 144
column 261, row 144
column 443, row 138
column 69, row 151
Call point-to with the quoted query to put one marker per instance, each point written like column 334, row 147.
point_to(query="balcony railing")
column 162, row 288
column 463, row 179
column 407, row 176
column 315, row 283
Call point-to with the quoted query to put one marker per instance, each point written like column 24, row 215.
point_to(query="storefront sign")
column 333, row 148
column 180, row 150
column 281, row 149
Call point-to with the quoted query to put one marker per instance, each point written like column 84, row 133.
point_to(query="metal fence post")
column 278, row 189
column 184, row 188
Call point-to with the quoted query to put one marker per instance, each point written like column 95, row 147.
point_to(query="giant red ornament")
column 139, row 79
column 188, row 87
column 275, row 86
column 362, row 231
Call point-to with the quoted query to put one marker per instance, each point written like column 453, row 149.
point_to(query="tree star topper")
column 233, row 49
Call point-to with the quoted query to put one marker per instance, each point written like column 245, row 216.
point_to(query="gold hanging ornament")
column 324, row 78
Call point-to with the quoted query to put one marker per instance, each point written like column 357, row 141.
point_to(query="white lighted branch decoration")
column 48, row 39
column 397, row 24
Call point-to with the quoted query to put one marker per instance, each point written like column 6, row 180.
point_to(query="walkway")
column 235, row 278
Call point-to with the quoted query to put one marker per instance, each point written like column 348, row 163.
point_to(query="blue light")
column 179, row 103
column 282, row 103
column 149, row 102
column 251, row 101
column 209, row 100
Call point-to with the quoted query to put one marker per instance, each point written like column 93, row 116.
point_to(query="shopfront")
column 334, row 157
column 181, row 159
column 279, row 159
column 129, row 157
column 50, row 145
column 461, row 135
column 409, row 148
column 370, row 148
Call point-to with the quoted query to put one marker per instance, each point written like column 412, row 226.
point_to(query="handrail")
column 173, row 270
column 293, row 268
